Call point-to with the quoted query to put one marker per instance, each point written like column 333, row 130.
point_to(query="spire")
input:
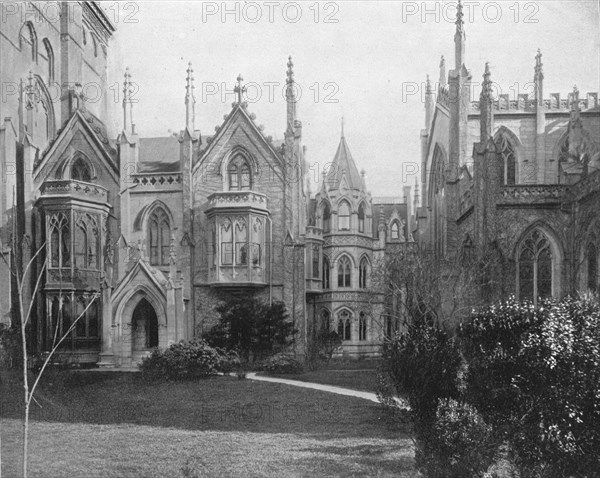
column 442, row 71
column 485, row 106
column 190, row 100
column 459, row 38
column 429, row 104
column 290, row 97
column 127, row 103
column 239, row 89
column 343, row 165
column 538, row 79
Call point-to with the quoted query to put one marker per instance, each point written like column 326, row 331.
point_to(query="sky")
column 364, row 61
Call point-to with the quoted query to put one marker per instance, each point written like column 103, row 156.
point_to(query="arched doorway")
column 144, row 324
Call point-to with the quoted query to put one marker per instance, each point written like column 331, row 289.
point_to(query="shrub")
column 422, row 364
column 282, row 364
column 462, row 444
column 184, row 360
column 254, row 328
column 534, row 375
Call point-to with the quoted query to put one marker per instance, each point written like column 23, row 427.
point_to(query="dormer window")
column 80, row 171
column 240, row 177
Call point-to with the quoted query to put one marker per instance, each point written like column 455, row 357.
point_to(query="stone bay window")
column 74, row 220
column 238, row 224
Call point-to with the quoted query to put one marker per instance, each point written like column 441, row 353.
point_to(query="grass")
column 114, row 425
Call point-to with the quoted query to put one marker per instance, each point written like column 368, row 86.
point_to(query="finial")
column 29, row 91
column 342, row 126
column 290, row 71
column 459, row 17
column 486, row 87
column 239, row 89
column 428, row 86
column 127, row 100
column 538, row 65
column 442, row 71
column 190, row 99
column 363, row 173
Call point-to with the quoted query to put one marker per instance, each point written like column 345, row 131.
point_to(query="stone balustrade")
column 237, row 200
column 74, row 189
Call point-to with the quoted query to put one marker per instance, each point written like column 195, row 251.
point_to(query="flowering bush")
column 185, row 360
column 282, row 364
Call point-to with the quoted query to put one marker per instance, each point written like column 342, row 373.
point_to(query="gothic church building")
column 142, row 237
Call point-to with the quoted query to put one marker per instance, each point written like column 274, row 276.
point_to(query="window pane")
column 226, row 253
column 526, row 277
column 92, row 315
column 544, row 276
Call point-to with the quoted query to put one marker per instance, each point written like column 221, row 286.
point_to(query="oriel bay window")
column 238, row 245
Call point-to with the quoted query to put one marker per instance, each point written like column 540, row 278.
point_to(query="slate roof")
column 343, row 165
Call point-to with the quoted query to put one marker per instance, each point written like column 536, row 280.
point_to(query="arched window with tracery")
column 241, row 243
column 344, row 272
column 326, row 217
column 362, row 273
column 256, row 246
column 159, row 234
column 28, row 39
column 344, row 216
column 60, row 241
column 80, row 170
column 507, row 152
column 362, row 326
column 239, row 173
column 592, row 267
column 226, row 243
column 345, row 325
column 361, row 218
column 395, row 230
column 325, row 273
column 50, row 57
column 535, row 267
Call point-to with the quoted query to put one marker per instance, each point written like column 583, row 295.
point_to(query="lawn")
column 114, row 425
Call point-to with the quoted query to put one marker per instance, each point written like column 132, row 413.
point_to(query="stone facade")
column 520, row 175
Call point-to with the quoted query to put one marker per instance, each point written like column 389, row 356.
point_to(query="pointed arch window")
column 344, row 325
column 395, row 234
column 344, row 216
column 50, row 57
column 507, row 152
column 361, row 218
column 325, row 273
column 159, row 233
column 60, row 241
column 226, row 243
column 363, row 273
column 362, row 326
column 326, row 218
column 239, row 173
column 592, row 267
column 29, row 38
column 257, row 243
column 80, row 170
column 535, row 267
column 241, row 244
column 344, row 272
column 316, row 252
